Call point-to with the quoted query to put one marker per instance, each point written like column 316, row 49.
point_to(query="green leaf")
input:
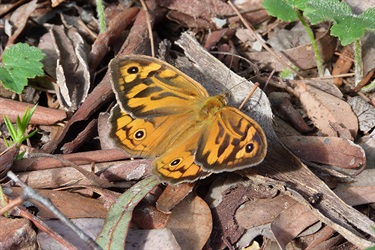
column 347, row 26
column 115, row 229
column 21, row 62
column 281, row 9
column 18, row 134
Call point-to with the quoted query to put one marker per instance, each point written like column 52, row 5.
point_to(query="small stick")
column 30, row 193
column 148, row 20
column 256, row 85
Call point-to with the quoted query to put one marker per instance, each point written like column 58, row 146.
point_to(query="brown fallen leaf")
column 146, row 216
column 72, row 72
column 331, row 115
column 109, row 172
column 19, row 19
column 195, row 13
column 172, row 195
column 355, row 196
column 73, row 205
column 106, row 39
column 324, row 85
column 7, row 158
column 284, row 108
column 302, row 56
column 191, row 222
column 17, row 233
column 365, row 113
column 252, row 213
column 291, row 222
column 226, row 197
column 343, row 64
column 331, row 151
column 322, row 237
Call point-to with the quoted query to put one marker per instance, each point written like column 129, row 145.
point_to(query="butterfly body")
column 166, row 115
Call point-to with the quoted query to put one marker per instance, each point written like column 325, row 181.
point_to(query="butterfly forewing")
column 232, row 141
column 149, row 87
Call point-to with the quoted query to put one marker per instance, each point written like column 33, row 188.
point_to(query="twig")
column 148, row 19
column 30, row 193
column 256, row 85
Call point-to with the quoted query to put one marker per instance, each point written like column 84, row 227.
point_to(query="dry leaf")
column 365, row 113
column 284, row 108
column 72, row 72
column 291, row 222
column 151, row 239
column 252, row 213
column 302, row 56
column 333, row 116
column 73, row 205
column 19, row 19
column 343, row 64
column 17, row 233
column 172, row 195
column 7, row 157
column 191, row 223
column 332, row 151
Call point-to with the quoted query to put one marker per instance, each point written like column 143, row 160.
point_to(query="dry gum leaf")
column 73, row 205
column 191, row 222
column 365, row 113
column 291, row 222
column 72, row 72
column 332, row 151
column 172, row 195
column 333, row 116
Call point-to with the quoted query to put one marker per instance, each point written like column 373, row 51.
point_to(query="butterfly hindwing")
column 144, row 137
column 233, row 141
column 178, row 164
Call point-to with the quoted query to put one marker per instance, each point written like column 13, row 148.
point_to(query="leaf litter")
column 223, row 210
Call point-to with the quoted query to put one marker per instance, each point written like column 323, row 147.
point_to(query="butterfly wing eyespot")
column 249, row 148
column 233, row 141
column 175, row 162
column 133, row 70
column 140, row 134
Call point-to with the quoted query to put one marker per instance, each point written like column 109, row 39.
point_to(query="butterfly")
column 163, row 114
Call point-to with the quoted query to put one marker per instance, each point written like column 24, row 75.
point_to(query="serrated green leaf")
column 115, row 229
column 281, row 9
column 21, row 62
column 346, row 26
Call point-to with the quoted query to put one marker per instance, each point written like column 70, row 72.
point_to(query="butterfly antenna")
column 256, row 85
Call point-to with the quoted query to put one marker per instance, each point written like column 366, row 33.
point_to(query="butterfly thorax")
column 210, row 106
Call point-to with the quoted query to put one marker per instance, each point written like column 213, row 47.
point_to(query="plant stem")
column 358, row 69
column 318, row 59
column 101, row 17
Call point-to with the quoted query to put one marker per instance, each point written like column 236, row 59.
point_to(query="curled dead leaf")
column 333, row 116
